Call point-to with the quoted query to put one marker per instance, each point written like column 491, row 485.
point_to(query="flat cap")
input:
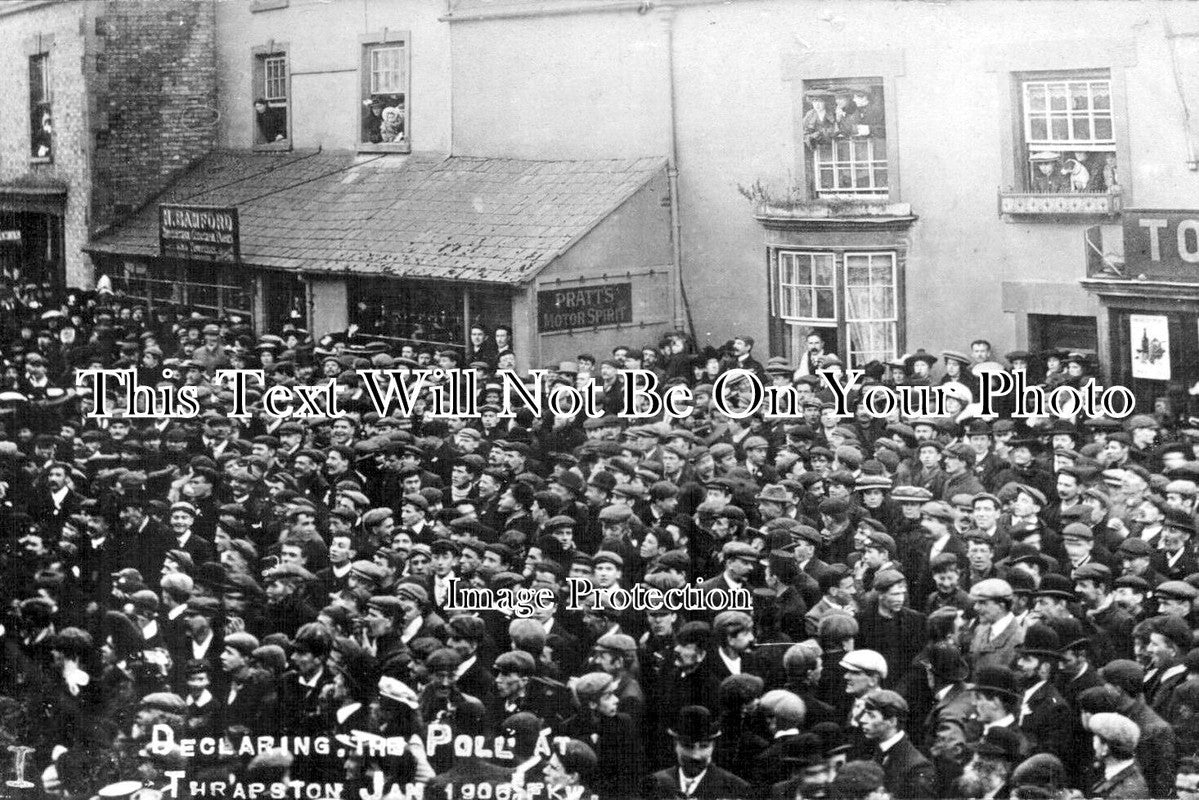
column 991, row 589
column 412, row 591
column 517, row 661
column 1115, row 729
column 865, row 661
column 886, row 702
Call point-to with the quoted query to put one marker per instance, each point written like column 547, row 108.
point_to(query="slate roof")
column 489, row 220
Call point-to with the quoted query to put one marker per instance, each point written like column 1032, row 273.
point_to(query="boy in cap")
column 907, row 773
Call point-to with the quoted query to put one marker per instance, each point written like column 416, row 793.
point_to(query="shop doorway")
column 31, row 249
column 1154, row 354
column 286, row 301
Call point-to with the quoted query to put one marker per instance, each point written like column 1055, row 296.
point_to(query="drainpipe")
column 666, row 15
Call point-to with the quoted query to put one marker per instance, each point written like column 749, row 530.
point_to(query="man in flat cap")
column 997, row 633
column 1114, row 742
column 908, row 774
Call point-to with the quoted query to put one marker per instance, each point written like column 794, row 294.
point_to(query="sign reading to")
column 584, row 307
column 1162, row 244
column 199, row 233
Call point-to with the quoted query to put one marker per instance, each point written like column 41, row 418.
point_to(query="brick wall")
column 154, row 105
column 53, row 29
column 133, row 84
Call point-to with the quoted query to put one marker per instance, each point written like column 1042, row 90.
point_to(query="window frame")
column 1025, row 144
column 40, row 46
column 368, row 43
column 814, row 153
column 1009, row 63
column 880, row 68
column 258, row 82
column 841, row 320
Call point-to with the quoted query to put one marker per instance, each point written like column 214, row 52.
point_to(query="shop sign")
column 1162, row 244
column 199, row 233
column 1149, row 336
column 584, row 307
column 10, row 236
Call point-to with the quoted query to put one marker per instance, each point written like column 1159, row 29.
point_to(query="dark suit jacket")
column 717, row 783
column 1048, row 722
column 899, row 641
column 1127, row 783
column 907, row 773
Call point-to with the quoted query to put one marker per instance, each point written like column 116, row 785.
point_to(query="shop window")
column 210, row 289
column 41, row 117
column 853, row 293
column 414, row 313
column 1069, row 141
column 272, row 99
column 845, row 138
column 385, row 91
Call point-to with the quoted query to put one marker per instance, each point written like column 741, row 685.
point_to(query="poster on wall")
column 1150, row 341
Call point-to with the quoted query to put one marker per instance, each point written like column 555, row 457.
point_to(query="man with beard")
column 1106, row 623
column 687, row 682
column 986, row 774
column 908, row 774
column 803, row 757
column 694, row 776
column 1044, row 716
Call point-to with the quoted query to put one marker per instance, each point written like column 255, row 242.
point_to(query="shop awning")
column 28, row 194
column 489, row 220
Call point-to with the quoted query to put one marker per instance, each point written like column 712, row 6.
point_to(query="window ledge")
column 385, row 147
column 1026, row 206
column 273, row 147
column 835, row 214
column 40, row 160
column 267, row 5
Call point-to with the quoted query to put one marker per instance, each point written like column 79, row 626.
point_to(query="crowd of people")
column 941, row 607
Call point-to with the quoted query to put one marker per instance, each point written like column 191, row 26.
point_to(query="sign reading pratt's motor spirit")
column 1162, row 244
column 201, row 233
column 584, row 307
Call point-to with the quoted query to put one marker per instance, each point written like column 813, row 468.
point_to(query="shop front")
column 1149, row 299
column 568, row 256
column 32, row 249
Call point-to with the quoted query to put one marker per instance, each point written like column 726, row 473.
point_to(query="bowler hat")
column 695, row 724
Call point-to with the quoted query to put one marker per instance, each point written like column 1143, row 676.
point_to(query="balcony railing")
column 1070, row 205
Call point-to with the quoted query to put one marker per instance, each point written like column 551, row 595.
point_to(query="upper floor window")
column 385, row 88
column 845, row 138
column 272, row 100
column 1069, row 141
column 41, row 117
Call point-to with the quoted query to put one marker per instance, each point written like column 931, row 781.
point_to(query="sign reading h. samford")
column 584, row 307
column 201, row 233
